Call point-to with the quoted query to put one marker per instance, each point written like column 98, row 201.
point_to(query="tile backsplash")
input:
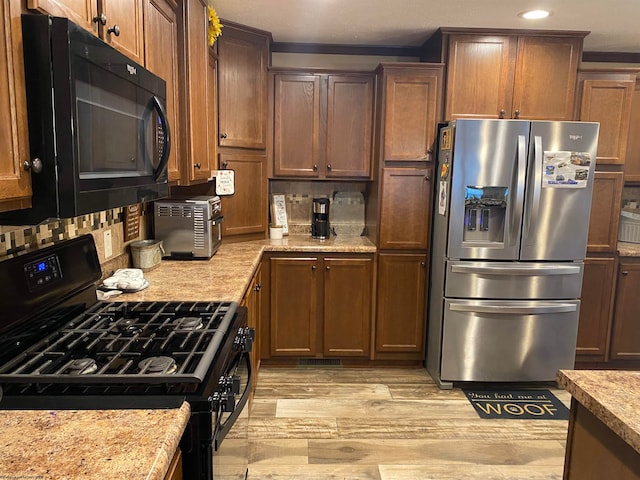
column 346, row 207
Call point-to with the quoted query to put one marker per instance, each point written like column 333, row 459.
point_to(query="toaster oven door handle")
column 164, row 122
column 215, row 221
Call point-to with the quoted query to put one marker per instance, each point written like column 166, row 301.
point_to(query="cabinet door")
column 480, row 73
column 252, row 300
column 605, row 212
column 161, row 57
column 294, row 316
column 198, row 93
column 15, row 182
column 347, row 306
column 411, row 102
column 80, row 12
column 405, row 210
column 545, row 81
column 632, row 162
column 246, row 210
column 608, row 102
column 598, row 284
column 242, row 81
column 625, row 340
column 296, row 125
column 123, row 29
column 349, row 126
column 400, row 323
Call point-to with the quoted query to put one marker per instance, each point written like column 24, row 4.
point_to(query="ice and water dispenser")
column 485, row 213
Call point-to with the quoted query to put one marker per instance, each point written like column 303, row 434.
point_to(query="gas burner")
column 151, row 365
column 188, row 323
column 83, row 366
column 127, row 326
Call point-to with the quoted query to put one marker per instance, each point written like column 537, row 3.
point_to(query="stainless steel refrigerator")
column 509, row 238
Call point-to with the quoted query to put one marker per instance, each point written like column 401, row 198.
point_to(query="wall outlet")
column 108, row 247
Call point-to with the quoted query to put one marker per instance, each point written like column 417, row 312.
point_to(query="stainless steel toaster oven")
column 189, row 228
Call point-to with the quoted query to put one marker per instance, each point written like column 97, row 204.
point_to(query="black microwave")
column 98, row 132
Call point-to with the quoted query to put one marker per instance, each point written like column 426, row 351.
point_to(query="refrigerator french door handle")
column 517, row 270
column 513, row 309
column 521, row 162
column 532, row 218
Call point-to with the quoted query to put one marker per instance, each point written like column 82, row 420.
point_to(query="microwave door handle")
column 164, row 159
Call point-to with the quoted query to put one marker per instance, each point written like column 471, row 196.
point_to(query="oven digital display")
column 42, row 272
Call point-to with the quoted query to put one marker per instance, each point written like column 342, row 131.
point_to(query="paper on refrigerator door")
column 565, row 169
column 442, row 198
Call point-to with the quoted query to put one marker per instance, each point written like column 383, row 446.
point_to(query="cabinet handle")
column 625, row 272
column 503, row 112
column 329, row 167
column 101, row 19
column 35, row 165
column 197, row 165
column 223, row 135
column 516, row 114
column 115, row 30
column 225, row 164
column 315, row 167
column 313, row 267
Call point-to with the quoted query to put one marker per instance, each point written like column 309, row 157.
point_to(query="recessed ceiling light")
column 534, row 14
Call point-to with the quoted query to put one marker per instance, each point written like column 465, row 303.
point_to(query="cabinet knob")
column 329, row 167
column 223, row 135
column 315, row 167
column 101, row 19
column 328, row 267
column 427, row 178
column 35, row 165
column 313, row 267
column 625, row 272
column 197, row 165
column 257, row 287
column 516, row 114
column 423, row 264
column 225, row 164
column 503, row 112
column 115, row 30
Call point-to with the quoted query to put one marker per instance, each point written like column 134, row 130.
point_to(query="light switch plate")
column 108, row 247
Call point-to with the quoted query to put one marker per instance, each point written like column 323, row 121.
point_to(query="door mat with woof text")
column 517, row 404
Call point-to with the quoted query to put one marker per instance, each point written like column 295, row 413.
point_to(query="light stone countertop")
column 612, row 396
column 89, row 444
column 226, row 275
column 628, row 249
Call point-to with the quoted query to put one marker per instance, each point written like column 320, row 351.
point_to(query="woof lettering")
column 517, row 409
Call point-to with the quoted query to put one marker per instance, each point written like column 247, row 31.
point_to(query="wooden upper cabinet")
column 632, row 162
column 323, row 124
column 15, row 182
column 509, row 73
column 405, row 210
column 117, row 22
column 412, row 99
column 606, row 97
column 81, row 12
column 596, row 308
column 296, row 125
column 605, row 212
column 161, row 57
column 198, row 94
column 243, row 59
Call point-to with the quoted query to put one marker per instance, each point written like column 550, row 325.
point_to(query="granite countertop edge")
column 611, row 396
column 628, row 249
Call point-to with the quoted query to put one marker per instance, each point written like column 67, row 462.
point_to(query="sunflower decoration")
column 215, row 27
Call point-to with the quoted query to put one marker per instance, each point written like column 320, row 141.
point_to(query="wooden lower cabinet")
column 596, row 309
column 175, row 468
column 625, row 337
column 605, row 212
column 402, row 293
column 253, row 301
column 320, row 306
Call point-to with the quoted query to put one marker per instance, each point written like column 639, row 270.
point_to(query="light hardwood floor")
column 317, row 423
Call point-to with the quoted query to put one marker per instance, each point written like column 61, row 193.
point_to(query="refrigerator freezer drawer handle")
column 518, row 310
column 566, row 270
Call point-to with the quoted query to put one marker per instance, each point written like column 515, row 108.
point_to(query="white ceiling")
column 614, row 24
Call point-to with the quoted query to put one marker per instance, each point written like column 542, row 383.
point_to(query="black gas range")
column 61, row 348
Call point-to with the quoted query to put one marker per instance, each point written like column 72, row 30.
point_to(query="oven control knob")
column 230, row 383
column 226, row 401
column 244, row 339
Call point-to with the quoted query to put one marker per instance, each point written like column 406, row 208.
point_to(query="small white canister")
column 146, row 254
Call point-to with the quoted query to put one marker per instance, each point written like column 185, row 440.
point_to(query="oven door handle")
column 164, row 122
column 224, row 428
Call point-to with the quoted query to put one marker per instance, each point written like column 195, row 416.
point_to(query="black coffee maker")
column 320, row 218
